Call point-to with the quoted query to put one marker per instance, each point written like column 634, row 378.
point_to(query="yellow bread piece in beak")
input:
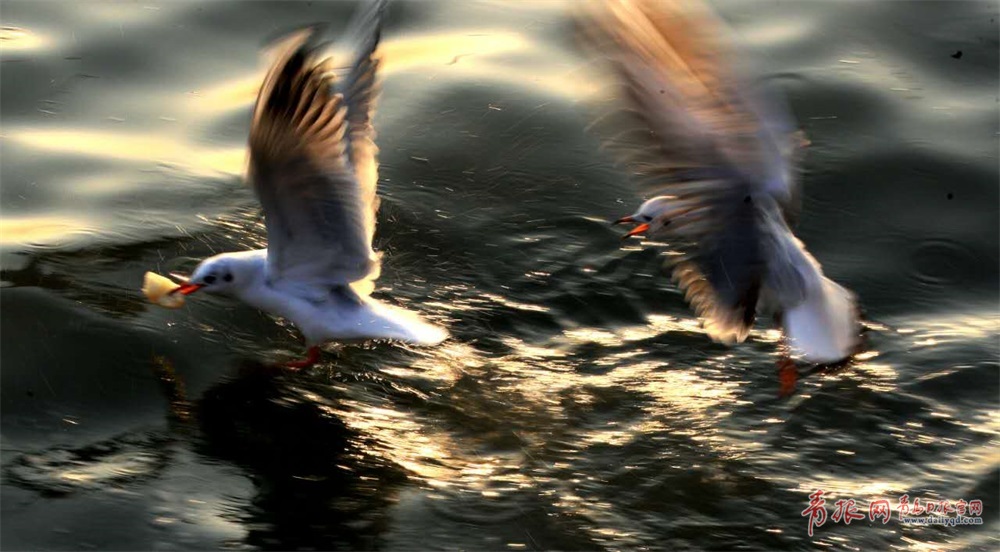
column 157, row 289
column 363, row 288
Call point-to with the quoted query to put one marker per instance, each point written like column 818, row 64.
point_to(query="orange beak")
column 187, row 289
column 637, row 230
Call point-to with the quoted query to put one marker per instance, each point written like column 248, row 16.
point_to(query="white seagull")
column 313, row 166
column 718, row 158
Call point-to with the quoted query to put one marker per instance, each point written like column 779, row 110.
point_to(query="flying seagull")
column 313, row 166
column 716, row 156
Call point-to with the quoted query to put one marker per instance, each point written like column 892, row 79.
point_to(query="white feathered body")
column 313, row 165
column 322, row 314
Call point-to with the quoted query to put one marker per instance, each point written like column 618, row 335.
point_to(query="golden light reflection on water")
column 41, row 230
column 945, row 329
column 463, row 55
column 115, row 466
column 447, row 364
column 235, row 93
column 658, row 324
column 128, row 14
column 570, row 82
column 409, row 52
column 675, row 393
column 432, row 455
column 427, row 452
column 457, row 51
column 880, row 377
column 777, row 31
column 849, row 488
column 134, row 146
column 150, row 150
column 16, row 39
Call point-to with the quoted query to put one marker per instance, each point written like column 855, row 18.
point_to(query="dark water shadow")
column 314, row 483
column 316, row 486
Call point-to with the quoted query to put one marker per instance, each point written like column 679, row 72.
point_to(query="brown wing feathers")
column 298, row 114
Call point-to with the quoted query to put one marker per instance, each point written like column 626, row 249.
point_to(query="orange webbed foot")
column 312, row 357
column 788, row 376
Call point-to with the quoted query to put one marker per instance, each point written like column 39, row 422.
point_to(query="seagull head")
column 650, row 218
column 221, row 275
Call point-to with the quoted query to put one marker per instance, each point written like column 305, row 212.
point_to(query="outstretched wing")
column 695, row 132
column 313, row 163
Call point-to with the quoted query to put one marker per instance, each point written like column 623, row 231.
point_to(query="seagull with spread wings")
column 313, row 166
column 717, row 156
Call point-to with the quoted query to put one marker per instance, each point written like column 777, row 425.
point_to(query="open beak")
column 637, row 230
column 187, row 289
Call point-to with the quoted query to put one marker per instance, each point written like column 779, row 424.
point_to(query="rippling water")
column 578, row 406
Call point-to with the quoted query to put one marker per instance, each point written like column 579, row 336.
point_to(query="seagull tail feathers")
column 824, row 328
column 384, row 321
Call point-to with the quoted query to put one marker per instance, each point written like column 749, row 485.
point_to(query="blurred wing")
column 312, row 164
column 688, row 132
column 361, row 88
column 721, row 272
column 687, row 109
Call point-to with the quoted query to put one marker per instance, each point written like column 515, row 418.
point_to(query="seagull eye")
column 228, row 277
column 210, row 279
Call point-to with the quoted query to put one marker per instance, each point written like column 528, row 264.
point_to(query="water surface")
column 578, row 405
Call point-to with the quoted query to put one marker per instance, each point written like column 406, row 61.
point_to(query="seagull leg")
column 788, row 376
column 312, row 357
column 788, row 373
